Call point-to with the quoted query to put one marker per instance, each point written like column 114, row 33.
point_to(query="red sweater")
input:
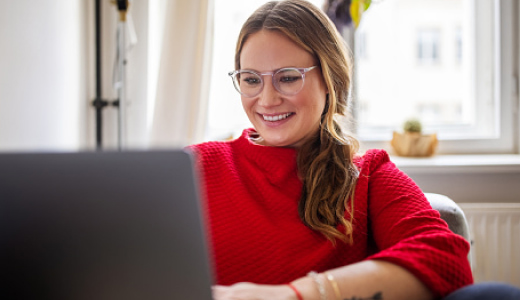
column 252, row 194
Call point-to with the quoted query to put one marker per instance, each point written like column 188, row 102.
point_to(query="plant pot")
column 414, row 144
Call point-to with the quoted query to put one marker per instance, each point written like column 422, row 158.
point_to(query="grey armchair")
column 452, row 214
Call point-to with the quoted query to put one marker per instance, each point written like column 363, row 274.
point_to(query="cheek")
column 322, row 97
column 318, row 100
column 312, row 106
column 318, row 89
column 245, row 104
column 320, row 109
column 248, row 109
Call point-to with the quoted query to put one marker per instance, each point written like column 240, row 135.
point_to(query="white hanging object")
column 126, row 39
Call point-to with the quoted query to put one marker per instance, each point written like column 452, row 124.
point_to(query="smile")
column 276, row 118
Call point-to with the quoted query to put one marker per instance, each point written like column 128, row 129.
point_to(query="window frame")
column 505, row 82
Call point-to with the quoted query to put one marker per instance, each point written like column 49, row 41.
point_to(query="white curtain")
column 179, row 62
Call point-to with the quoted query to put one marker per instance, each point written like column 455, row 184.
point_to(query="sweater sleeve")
column 409, row 233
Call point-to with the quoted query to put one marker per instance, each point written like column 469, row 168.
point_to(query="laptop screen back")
column 121, row 225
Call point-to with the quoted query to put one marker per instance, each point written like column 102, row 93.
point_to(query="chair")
column 452, row 214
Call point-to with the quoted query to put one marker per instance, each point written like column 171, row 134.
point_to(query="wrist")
column 319, row 283
column 317, row 286
column 307, row 288
column 296, row 291
column 334, row 284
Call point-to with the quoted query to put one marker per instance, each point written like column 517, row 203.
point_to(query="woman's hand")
column 251, row 291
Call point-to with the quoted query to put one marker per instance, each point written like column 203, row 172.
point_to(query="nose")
column 269, row 95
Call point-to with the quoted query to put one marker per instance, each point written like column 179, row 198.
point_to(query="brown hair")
column 325, row 162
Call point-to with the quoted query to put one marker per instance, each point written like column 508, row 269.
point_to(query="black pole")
column 122, row 5
column 98, row 49
column 98, row 103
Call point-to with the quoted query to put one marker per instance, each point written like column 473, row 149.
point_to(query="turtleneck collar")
column 276, row 160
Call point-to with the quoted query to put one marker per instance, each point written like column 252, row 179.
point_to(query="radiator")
column 495, row 237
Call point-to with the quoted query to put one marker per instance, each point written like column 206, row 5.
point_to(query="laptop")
column 105, row 225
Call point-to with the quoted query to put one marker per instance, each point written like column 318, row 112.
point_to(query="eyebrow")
column 274, row 70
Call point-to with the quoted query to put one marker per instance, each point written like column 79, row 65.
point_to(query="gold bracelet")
column 334, row 284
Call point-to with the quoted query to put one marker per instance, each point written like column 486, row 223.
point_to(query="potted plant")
column 412, row 142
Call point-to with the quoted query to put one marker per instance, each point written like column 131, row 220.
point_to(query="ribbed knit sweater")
column 251, row 197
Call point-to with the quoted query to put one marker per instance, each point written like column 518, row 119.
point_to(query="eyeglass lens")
column 286, row 81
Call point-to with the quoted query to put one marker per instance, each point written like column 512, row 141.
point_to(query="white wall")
column 471, row 186
column 43, row 85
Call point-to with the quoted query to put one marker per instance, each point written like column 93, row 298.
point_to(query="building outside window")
column 428, row 46
column 458, row 45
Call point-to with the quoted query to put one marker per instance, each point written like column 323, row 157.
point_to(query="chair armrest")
column 451, row 213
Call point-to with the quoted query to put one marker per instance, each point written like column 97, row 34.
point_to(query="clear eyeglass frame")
column 235, row 77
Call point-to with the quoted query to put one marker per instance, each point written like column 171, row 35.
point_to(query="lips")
column 274, row 118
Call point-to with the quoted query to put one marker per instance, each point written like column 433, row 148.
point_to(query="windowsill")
column 486, row 163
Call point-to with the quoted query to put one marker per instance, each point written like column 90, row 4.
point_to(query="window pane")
column 428, row 46
column 426, row 59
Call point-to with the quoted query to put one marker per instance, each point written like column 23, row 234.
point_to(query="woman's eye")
column 289, row 79
column 251, row 80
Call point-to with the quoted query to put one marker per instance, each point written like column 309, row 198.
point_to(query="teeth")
column 276, row 118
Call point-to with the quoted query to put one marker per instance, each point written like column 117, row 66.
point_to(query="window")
column 361, row 46
column 458, row 45
column 450, row 63
column 428, row 46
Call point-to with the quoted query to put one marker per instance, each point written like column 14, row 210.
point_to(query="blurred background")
column 452, row 64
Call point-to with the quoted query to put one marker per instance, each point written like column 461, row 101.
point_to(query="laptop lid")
column 120, row 225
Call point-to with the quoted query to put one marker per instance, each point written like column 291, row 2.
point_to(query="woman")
column 294, row 212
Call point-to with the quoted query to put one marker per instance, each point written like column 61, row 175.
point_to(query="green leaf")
column 357, row 8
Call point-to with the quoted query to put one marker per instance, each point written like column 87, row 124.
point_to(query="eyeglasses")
column 287, row 81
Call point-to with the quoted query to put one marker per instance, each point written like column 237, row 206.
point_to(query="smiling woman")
column 281, row 119
column 291, row 200
column 225, row 114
